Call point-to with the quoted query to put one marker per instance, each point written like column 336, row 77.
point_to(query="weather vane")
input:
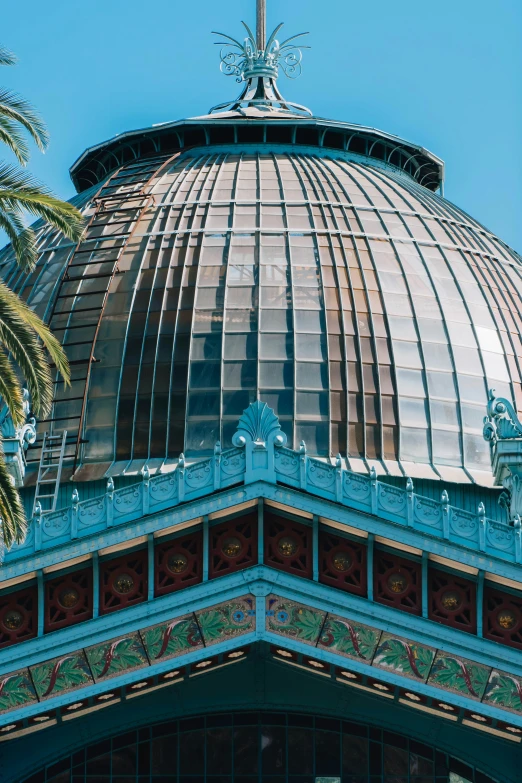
column 256, row 62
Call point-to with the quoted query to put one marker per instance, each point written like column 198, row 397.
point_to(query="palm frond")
column 7, row 57
column 22, row 238
column 25, row 349
column 21, row 191
column 11, row 389
column 12, row 515
column 18, row 327
column 18, row 109
column 59, row 214
column 13, row 138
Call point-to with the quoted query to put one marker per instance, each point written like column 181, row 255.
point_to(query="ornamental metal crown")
column 256, row 63
column 245, row 60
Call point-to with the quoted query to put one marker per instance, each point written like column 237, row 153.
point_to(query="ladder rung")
column 47, row 481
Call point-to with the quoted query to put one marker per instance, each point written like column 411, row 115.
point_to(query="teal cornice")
column 263, row 457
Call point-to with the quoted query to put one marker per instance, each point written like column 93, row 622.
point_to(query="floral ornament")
column 245, row 59
column 172, row 639
column 404, row 657
column 61, row 674
column 226, row 620
column 348, row 638
column 16, row 690
column 117, row 656
column 459, row 675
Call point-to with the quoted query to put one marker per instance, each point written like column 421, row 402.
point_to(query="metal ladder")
column 49, row 472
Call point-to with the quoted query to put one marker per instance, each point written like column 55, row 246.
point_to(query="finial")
column 256, row 62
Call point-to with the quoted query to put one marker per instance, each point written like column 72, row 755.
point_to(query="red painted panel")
column 397, row 582
column 123, row 581
column 18, row 616
column 342, row 563
column 178, row 563
column 452, row 600
column 502, row 616
column 288, row 545
column 68, row 599
column 233, row 545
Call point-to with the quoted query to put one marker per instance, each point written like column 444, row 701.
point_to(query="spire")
column 256, row 63
column 261, row 23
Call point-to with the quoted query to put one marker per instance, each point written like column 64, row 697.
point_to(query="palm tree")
column 22, row 333
column 19, row 192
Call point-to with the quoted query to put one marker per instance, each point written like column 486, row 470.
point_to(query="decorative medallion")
column 18, row 616
column 506, row 618
column 12, row 619
column 123, row 581
column 227, row 620
column 177, row 563
column 123, row 584
column 287, row 546
column 233, row 545
column 398, row 583
column 452, row 600
column 68, row 597
column 342, row 563
column 288, row 618
column 502, row 616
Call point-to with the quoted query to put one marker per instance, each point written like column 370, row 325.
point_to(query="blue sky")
column 445, row 74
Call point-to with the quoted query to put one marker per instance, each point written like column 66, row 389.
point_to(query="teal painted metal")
column 271, row 461
column 261, row 581
column 260, row 682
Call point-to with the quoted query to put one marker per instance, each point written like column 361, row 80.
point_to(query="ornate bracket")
column 503, row 431
column 259, row 433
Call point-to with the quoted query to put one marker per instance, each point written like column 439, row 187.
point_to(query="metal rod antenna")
column 261, row 24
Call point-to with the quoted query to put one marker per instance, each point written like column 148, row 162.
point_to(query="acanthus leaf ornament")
column 501, row 422
column 503, row 430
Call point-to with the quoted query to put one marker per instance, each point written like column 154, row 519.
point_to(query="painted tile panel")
column 61, row 675
column 459, row 675
column 16, row 690
column 350, row 639
column 294, row 620
column 172, row 639
column 404, row 657
column 117, row 656
column 504, row 690
column 227, row 620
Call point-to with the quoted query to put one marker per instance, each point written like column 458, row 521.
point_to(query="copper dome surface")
column 370, row 313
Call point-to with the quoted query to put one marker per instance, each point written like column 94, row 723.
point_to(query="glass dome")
column 371, row 314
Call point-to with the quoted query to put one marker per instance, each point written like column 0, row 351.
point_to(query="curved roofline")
column 98, row 161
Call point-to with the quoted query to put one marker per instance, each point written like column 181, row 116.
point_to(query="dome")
column 261, row 254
